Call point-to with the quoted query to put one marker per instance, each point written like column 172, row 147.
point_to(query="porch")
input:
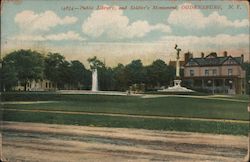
column 217, row 85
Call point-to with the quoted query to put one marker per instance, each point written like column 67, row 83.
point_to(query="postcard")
column 116, row 80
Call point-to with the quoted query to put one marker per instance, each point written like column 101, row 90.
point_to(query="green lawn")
column 128, row 122
column 164, row 106
column 175, row 106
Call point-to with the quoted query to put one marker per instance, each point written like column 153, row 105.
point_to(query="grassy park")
column 208, row 114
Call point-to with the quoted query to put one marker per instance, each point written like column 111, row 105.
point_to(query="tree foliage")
column 120, row 79
column 66, row 75
column 53, row 67
column 79, row 75
column 28, row 65
column 247, row 68
column 159, row 73
column 95, row 63
column 135, row 73
column 8, row 76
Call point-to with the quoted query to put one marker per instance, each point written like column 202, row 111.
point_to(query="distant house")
column 41, row 85
column 216, row 74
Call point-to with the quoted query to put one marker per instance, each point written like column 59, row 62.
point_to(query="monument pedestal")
column 177, row 83
column 176, row 88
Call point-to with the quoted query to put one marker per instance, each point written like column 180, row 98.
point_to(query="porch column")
column 192, row 83
column 224, row 85
column 235, row 81
column 213, row 86
column 238, row 86
column 202, row 83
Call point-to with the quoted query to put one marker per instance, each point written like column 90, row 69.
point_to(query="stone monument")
column 94, row 66
column 177, row 82
column 94, row 80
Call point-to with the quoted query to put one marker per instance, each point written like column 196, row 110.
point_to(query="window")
column 191, row 72
column 214, row 72
column 206, row 72
column 46, row 85
column 230, row 71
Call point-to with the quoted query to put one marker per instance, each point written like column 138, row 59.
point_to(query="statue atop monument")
column 177, row 61
column 177, row 82
column 178, row 51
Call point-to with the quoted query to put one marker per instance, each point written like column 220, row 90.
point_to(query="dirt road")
column 30, row 142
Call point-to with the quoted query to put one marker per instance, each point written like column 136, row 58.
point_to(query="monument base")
column 176, row 88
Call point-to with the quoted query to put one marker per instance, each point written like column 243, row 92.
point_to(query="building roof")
column 213, row 60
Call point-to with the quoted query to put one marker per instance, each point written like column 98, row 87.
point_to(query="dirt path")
column 30, row 142
column 128, row 115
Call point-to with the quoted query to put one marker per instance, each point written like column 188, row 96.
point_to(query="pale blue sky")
column 123, row 35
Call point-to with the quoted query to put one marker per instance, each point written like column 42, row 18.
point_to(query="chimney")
column 242, row 58
column 214, row 54
column 202, row 55
column 225, row 53
column 187, row 56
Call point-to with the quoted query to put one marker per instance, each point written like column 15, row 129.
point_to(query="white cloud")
column 194, row 18
column 215, row 18
column 147, row 52
column 113, row 24
column 70, row 35
column 221, row 41
column 29, row 21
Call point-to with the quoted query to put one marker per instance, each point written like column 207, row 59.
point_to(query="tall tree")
column 158, row 73
column 120, row 80
column 95, row 63
column 8, row 77
column 246, row 66
column 135, row 72
column 29, row 65
column 79, row 75
column 65, row 77
column 55, row 63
